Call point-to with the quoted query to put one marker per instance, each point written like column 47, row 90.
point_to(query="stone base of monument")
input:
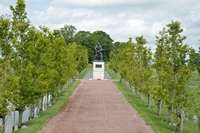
column 98, row 70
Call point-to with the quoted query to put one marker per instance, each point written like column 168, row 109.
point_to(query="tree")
column 88, row 40
column 21, row 65
column 161, row 76
column 139, row 53
column 7, row 79
column 68, row 32
column 132, row 61
column 196, row 95
column 115, row 46
column 114, row 56
column 59, row 61
column 106, row 42
column 82, row 58
column 173, row 66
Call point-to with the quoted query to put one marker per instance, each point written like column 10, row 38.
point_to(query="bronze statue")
column 98, row 51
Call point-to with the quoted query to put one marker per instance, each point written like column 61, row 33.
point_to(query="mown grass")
column 158, row 123
column 36, row 124
column 111, row 72
column 83, row 73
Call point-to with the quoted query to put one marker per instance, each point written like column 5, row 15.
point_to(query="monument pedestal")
column 98, row 70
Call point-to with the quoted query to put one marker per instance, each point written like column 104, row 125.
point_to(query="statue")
column 98, row 51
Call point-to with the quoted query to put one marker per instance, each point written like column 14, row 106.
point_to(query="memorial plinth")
column 98, row 70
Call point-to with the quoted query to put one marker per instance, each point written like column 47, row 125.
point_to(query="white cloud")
column 121, row 19
column 4, row 10
column 94, row 3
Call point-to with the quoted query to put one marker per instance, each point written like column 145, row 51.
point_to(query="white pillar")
column 98, row 70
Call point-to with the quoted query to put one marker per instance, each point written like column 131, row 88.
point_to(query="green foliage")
column 87, row 40
column 174, row 64
column 34, row 62
column 173, row 68
column 90, row 40
column 106, row 42
column 132, row 61
column 21, row 65
column 68, row 32
column 36, row 124
column 82, row 58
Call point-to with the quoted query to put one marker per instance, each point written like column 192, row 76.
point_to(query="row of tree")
column 33, row 63
column 173, row 63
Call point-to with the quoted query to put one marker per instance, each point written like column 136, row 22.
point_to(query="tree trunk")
column 132, row 88
column 45, row 102
column 20, row 119
column 41, row 105
column 13, row 122
column 149, row 100
column 122, row 80
column 136, row 91
column 59, row 89
column 29, row 116
column 51, row 99
column 142, row 97
column 182, row 120
column 170, row 119
column 127, row 84
column 32, row 115
column 159, row 107
column 79, row 73
column 169, row 115
column 38, row 107
column 199, row 124
column 47, row 99
column 3, row 123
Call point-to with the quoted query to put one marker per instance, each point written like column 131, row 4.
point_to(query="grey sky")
column 121, row 19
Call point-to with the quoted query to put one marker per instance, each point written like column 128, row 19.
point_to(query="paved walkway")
column 97, row 107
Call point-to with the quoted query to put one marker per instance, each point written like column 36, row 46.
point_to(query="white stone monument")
column 98, row 70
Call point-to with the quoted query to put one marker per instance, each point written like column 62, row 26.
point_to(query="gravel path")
column 97, row 107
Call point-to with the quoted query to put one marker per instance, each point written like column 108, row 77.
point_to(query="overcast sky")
column 121, row 19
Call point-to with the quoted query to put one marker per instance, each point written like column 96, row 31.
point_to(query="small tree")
column 68, row 32
column 22, row 67
column 173, row 66
column 7, row 79
column 82, row 58
column 159, row 59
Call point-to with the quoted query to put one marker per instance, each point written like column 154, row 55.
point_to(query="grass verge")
column 111, row 74
column 83, row 73
column 37, row 123
column 157, row 123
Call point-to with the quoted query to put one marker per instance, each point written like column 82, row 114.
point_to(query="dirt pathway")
column 97, row 107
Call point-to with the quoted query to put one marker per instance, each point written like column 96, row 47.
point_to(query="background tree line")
column 88, row 40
